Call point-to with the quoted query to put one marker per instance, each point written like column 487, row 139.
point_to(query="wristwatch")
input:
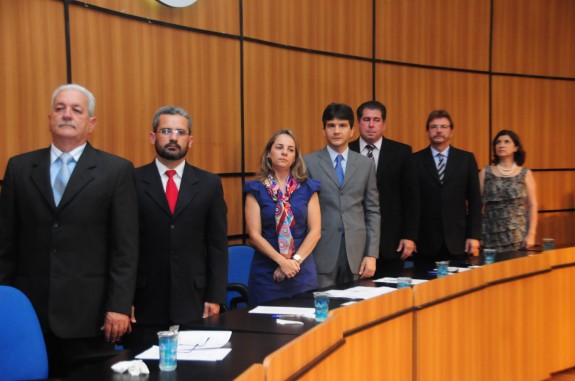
column 297, row 258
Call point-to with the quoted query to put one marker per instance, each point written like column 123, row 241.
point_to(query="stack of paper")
column 196, row 345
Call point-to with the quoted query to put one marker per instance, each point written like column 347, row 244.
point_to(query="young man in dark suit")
column 69, row 236
column 397, row 186
column 183, row 265
column 450, row 222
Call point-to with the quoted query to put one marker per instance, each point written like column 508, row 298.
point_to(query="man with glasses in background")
column 450, row 222
column 183, row 263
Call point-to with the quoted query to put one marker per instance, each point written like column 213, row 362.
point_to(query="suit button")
column 172, row 227
column 55, row 225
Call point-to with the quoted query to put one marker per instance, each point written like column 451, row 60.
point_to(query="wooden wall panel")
column 541, row 111
column 534, row 37
column 555, row 190
column 214, row 15
column 134, row 68
column 32, row 65
column 450, row 33
column 338, row 26
column 410, row 94
column 287, row 89
column 560, row 226
column 233, row 196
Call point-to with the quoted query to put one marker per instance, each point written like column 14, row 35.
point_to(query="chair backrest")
column 22, row 349
column 240, row 260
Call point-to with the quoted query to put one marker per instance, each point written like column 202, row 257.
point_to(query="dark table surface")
column 247, row 349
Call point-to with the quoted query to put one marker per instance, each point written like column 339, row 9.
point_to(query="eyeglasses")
column 169, row 131
column 439, row 126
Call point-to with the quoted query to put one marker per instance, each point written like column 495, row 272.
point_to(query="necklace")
column 507, row 172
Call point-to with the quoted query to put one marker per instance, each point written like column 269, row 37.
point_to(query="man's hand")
column 471, row 246
column 367, row 268
column 115, row 326
column 211, row 309
column 407, row 247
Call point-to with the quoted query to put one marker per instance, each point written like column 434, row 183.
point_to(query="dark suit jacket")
column 78, row 260
column 184, row 256
column 450, row 212
column 398, row 195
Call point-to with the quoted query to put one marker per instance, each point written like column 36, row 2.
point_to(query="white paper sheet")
column 360, row 292
column 394, row 280
column 195, row 345
column 153, row 353
column 298, row 311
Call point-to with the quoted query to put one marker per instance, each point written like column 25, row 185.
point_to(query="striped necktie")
column 441, row 167
column 370, row 148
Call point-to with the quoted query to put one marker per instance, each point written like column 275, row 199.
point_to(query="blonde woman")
column 283, row 221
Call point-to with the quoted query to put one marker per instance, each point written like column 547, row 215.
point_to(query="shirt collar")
column 363, row 143
column 162, row 168
column 55, row 152
column 333, row 154
column 445, row 153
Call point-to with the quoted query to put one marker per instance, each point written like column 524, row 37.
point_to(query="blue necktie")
column 339, row 169
column 62, row 176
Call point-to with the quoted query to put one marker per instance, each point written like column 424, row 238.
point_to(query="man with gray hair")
column 69, row 236
column 183, row 268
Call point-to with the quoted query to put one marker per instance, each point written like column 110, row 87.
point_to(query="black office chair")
column 240, row 259
column 22, row 349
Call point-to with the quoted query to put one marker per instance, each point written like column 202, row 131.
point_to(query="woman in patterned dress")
column 509, row 197
column 283, row 221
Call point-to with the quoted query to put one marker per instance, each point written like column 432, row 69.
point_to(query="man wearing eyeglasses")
column 450, row 222
column 183, row 263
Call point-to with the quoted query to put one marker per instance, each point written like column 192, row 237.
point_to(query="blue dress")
column 262, row 287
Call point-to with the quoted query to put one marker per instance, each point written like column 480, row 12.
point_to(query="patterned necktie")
column 62, row 177
column 441, row 167
column 171, row 190
column 339, row 169
column 370, row 148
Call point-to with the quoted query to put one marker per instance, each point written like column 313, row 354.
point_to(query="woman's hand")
column 528, row 241
column 279, row 275
column 289, row 267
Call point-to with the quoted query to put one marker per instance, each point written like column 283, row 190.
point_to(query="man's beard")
column 171, row 155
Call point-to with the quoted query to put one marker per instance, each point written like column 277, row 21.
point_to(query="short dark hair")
column 372, row 105
column 518, row 156
column 338, row 111
column 171, row 110
column 439, row 114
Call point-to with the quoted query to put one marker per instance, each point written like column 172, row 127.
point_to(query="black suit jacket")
column 398, row 195
column 78, row 260
column 184, row 256
column 451, row 212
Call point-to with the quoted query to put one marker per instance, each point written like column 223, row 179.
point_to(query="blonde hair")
column 298, row 169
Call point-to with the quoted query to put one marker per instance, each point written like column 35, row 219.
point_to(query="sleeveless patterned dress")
column 504, row 224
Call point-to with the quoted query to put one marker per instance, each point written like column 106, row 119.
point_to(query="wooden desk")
column 560, row 318
column 447, row 328
column 511, row 320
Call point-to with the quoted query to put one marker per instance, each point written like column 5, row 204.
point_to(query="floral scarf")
column 285, row 220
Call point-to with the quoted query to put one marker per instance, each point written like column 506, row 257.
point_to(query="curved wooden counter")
column 511, row 320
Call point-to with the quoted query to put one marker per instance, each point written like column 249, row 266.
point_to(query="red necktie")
column 171, row 190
